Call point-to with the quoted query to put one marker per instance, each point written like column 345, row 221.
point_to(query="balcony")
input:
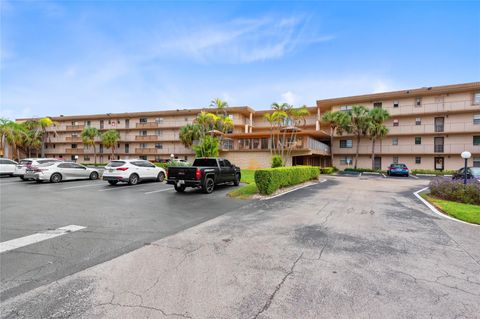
column 74, row 151
column 74, row 127
column 147, row 150
column 264, row 144
column 147, row 125
column 146, row 138
column 76, row 139
column 447, row 128
column 410, row 149
column 427, row 108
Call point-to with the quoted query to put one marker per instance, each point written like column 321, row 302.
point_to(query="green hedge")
column 92, row 164
column 360, row 170
column 432, row 171
column 328, row 170
column 174, row 163
column 270, row 179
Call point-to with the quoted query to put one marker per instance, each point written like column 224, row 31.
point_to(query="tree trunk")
column 356, row 153
column 331, row 144
column 94, row 153
column 373, row 154
column 43, row 144
column 29, row 152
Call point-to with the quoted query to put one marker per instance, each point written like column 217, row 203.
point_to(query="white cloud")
column 289, row 97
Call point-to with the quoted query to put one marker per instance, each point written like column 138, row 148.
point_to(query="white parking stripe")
column 158, row 191
column 38, row 237
column 3, row 184
column 81, row 186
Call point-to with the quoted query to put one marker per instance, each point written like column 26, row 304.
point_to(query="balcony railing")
column 264, row 144
column 74, row 150
column 73, row 139
column 439, row 107
column 75, row 127
column 366, row 148
column 455, row 127
column 147, row 125
column 146, row 138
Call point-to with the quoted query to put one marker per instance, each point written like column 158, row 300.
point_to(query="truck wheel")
column 180, row 189
column 208, row 185
column 236, row 181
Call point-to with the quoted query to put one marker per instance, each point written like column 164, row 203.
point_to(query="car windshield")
column 398, row 165
column 47, row 161
column 46, row 164
column 206, row 162
column 116, row 163
column 475, row 171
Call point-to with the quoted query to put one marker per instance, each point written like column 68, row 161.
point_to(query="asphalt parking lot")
column 117, row 219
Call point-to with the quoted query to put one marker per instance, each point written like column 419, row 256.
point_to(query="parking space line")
column 38, row 237
column 114, row 188
column 11, row 183
column 81, row 186
column 158, row 191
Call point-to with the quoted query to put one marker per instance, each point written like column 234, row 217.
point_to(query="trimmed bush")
column 277, row 161
column 432, row 171
column 455, row 190
column 172, row 163
column 360, row 170
column 328, row 170
column 271, row 179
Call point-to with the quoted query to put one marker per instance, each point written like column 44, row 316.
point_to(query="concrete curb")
column 436, row 211
column 292, row 190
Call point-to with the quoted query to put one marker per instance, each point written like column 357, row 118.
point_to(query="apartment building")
column 428, row 128
column 154, row 136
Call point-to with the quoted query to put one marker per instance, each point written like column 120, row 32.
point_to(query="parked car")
column 132, row 171
column 205, row 173
column 56, row 172
column 7, row 167
column 22, row 166
column 472, row 172
column 398, row 169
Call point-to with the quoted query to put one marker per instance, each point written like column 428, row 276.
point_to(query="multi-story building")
column 428, row 128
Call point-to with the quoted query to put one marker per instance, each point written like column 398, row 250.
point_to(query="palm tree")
column 338, row 122
column 297, row 117
column 110, row 139
column 88, row 136
column 270, row 118
column 359, row 121
column 33, row 137
column 376, row 128
column 280, row 107
column 44, row 123
column 11, row 136
column 189, row 134
column 220, row 105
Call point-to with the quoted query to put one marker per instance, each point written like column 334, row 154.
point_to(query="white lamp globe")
column 466, row 154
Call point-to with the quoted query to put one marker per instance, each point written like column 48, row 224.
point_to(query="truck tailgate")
column 182, row 173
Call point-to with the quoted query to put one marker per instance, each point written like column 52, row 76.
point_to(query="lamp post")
column 465, row 155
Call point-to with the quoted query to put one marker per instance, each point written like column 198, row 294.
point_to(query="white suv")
column 132, row 171
column 22, row 166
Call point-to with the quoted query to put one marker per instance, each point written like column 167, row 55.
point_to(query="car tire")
column 236, row 181
column 56, row 178
column 180, row 189
column 22, row 178
column 133, row 179
column 113, row 182
column 38, row 181
column 208, row 185
column 93, row 176
column 161, row 177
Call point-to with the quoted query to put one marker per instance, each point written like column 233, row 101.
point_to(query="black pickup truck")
column 205, row 173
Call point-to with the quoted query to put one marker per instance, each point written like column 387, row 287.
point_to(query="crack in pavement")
column 278, row 287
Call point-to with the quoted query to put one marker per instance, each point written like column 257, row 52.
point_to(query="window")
column 346, row 108
column 102, row 124
column 74, row 145
column 143, row 145
column 227, row 163
column 159, row 120
column 127, row 148
column 418, row 160
column 346, row 160
column 186, row 119
column 101, row 148
column 476, row 119
column 221, row 163
column 88, row 123
column 395, row 103
column 377, row 105
column 127, row 123
column 346, row 143
column 143, row 157
column 418, row 101
column 143, row 120
column 418, row 140
column 227, row 144
column 158, row 132
column 394, row 140
column 395, row 122
column 476, row 162
column 476, row 140
column 476, row 98
column 264, row 143
column 159, row 146
column 395, row 160
column 418, row 121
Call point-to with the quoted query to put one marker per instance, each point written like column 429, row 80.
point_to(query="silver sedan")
column 61, row 171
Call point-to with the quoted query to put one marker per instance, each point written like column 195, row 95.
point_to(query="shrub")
column 360, row 170
column 455, row 190
column 172, row 163
column 277, row 161
column 432, row 171
column 92, row 164
column 328, row 170
column 270, row 179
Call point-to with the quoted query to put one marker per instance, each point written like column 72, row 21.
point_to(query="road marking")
column 384, row 175
column 3, row 184
column 414, row 176
column 158, row 191
column 435, row 210
column 112, row 188
column 292, row 190
column 98, row 184
column 38, row 237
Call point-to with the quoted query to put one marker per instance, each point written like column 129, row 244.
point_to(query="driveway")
column 346, row 248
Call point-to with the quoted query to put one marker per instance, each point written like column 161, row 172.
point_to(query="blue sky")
column 81, row 57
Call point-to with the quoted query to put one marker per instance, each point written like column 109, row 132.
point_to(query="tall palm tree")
column 220, row 105
column 11, row 136
column 339, row 122
column 33, row 137
column 359, row 122
column 110, row 139
column 88, row 136
column 298, row 118
column 44, row 123
column 189, row 134
column 376, row 128
column 280, row 107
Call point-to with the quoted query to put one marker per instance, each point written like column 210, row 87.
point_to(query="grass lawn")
column 465, row 212
column 244, row 192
